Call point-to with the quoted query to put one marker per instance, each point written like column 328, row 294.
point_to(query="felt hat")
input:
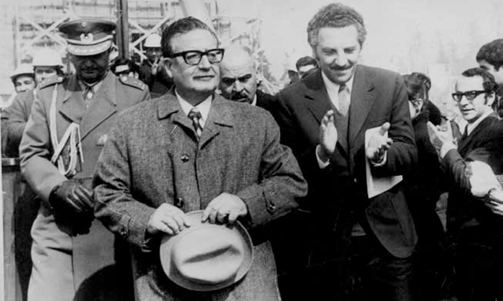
column 206, row 257
column 88, row 37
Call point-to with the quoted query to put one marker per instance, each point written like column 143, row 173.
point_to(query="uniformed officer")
column 63, row 138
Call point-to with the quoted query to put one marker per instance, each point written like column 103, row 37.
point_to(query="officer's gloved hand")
column 72, row 196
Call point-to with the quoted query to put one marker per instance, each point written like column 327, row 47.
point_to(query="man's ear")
column 168, row 64
column 490, row 98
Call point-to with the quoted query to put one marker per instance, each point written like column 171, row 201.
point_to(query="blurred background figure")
column 238, row 78
column 125, row 67
column 490, row 58
column 23, row 78
column 305, row 66
column 434, row 114
column 152, row 70
column 47, row 62
column 423, row 188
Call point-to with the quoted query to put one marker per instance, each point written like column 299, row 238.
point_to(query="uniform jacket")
column 95, row 250
column 14, row 120
column 485, row 143
column 153, row 157
column 377, row 96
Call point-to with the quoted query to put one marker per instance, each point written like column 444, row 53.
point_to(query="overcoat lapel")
column 220, row 115
column 362, row 100
column 103, row 106
column 72, row 103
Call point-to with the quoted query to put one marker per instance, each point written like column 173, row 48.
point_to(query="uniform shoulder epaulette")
column 50, row 81
column 132, row 82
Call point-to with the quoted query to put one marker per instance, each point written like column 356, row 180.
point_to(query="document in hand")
column 376, row 186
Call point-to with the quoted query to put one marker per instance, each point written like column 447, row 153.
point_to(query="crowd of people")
column 180, row 179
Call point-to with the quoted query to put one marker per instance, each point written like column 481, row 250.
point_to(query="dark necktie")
column 343, row 100
column 195, row 116
column 465, row 133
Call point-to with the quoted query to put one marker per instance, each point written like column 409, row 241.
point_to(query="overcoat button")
column 185, row 158
column 179, row 202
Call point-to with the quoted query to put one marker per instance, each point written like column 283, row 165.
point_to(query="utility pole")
column 123, row 29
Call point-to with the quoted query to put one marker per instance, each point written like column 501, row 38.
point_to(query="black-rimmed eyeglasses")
column 470, row 95
column 193, row 57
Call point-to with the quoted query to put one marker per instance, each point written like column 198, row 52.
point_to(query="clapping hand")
column 328, row 136
column 378, row 144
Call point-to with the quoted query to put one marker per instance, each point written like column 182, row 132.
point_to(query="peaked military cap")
column 87, row 37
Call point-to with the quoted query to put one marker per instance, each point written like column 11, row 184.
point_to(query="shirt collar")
column 203, row 107
column 471, row 126
column 254, row 101
column 333, row 87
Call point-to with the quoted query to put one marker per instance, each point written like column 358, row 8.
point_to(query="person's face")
column 193, row 81
column 153, row 53
column 415, row 106
column 498, row 74
column 471, row 110
column 338, row 52
column 303, row 70
column 43, row 72
column 24, row 83
column 91, row 68
column 238, row 80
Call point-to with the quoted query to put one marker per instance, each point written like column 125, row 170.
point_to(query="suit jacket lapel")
column 103, row 106
column 362, row 100
column 318, row 102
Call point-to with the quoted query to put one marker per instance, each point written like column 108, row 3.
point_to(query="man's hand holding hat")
column 225, row 208
column 169, row 219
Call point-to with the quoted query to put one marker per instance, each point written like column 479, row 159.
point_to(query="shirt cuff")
column 446, row 147
column 321, row 164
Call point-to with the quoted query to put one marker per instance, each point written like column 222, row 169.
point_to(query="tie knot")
column 194, row 113
column 342, row 88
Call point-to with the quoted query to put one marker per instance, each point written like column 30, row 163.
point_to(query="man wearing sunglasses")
column 474, row 224
column 189, row 150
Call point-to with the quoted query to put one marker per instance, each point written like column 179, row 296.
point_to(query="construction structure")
column 27, row 26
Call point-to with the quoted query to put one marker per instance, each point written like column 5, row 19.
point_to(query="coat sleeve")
column 36, row 151
column 115, row 206
column 280, row 183
column 14, row 122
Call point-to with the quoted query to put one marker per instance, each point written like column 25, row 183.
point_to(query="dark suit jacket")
column 377, row 96
column 265, row 100
column 485, row 143
column 238, row 153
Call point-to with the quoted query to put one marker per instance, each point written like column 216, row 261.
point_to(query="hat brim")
column 88, row 50
column 168, row 241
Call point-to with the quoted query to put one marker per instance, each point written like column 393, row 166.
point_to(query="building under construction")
column 27, row 26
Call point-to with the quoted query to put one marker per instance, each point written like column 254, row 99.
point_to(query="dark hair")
column 414, row 86
column 488, row 81
column 305, row 61
column 492, row 53
column 335, row 15
column 181, row 26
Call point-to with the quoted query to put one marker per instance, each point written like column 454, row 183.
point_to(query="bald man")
column 238, row 78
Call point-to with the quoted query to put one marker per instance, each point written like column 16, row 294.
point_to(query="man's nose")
column 341, row 60
column 237, row 86
column 204, row 63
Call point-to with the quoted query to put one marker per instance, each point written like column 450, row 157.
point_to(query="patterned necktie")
column 195, row 115
column 343, row 100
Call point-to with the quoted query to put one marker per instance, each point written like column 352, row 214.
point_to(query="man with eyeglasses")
column 475, row 229
column 188, row 150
